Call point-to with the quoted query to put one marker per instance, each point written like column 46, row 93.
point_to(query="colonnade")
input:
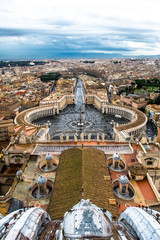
column 123, row 112
column 136, row 131
column 49, row 111
column 135, row 127
column 35, row 114
column 137, row 119
column 46, row 108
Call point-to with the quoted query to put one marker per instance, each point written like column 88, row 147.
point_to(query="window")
column 48, row 165
column 41, row 190
column 17, row 160
column 123, row 189
column 116, row 165
column 133, row 177
column 149, row 163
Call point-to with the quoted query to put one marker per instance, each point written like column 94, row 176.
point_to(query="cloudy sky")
column 124, row 27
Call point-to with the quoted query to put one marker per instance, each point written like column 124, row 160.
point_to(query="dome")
column 116, row 156
column 41, row 180
column 86, row 220
column 19, row 173
column 26, row 225
column 49, row 157
column 144, row 224
column 123, row 179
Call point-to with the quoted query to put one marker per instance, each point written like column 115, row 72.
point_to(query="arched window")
column 150, row 163
column 116, row 165
column 123, row 189
column 48, row 165
column 41, row 190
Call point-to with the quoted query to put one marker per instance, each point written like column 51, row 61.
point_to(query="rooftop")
column 79, row 174
column 138, row 169
column 154, row 107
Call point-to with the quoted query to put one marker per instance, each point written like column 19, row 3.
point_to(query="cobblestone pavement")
column 93, row 120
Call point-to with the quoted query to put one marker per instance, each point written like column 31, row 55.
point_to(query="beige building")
column 151, row 161
column 153, row 111
column 6, row 127
column 10, row 106
column 134, row 101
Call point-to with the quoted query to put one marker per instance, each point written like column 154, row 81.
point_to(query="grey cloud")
column 10, row 32
column 17, row 32
column 136, row 34
column 111, row 42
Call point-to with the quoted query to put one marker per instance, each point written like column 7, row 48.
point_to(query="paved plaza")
column 93, row 120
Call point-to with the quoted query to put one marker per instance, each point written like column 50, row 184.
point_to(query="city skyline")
column 38, row 29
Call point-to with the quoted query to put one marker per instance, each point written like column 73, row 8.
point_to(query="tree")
column 50, row 76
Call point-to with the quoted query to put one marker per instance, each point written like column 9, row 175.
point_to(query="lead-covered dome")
column 41, row 180
column 123, row 179
column 19, row 173
column 49, row 156
column 116, row 156
column 86, row 220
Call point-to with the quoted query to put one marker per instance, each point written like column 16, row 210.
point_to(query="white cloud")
column 84, row 14
column 97, row 51
column 86, row 17
column 12, row 40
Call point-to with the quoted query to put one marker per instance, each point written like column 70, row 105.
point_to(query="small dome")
column 49, row 157
column 41, row 180
column 116, row 156
column 19, row 173
column 123, row 179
